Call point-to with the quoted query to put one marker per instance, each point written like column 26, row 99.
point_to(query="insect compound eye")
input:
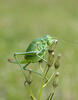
column 50, row 41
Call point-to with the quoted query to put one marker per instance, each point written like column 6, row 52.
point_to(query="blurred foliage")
column 23, row 20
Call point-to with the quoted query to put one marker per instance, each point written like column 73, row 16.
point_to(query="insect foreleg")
column 43, row 59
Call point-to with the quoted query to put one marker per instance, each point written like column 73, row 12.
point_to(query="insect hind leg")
column 30, row 70
column 18, row 62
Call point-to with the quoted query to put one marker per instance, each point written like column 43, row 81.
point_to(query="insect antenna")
column 68, row 42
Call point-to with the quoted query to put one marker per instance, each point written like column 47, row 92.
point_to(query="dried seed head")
column 59, row 56
column 51, row 58
column 53, row 53
column 57, row 74
column 55, row 81
column 57, row 63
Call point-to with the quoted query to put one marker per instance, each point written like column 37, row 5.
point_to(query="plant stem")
column 48, row 80
column 42, row 82
column 31, row 94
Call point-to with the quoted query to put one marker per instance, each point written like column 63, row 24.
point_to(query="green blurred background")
column 23, row 20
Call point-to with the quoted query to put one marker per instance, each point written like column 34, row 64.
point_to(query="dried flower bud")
column 55, row 81
column 57, row 63
column 57, row 74
column 50, row 58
